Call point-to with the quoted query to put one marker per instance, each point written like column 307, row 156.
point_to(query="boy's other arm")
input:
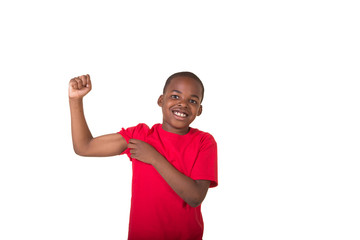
column 193, row 192
column 83, row 141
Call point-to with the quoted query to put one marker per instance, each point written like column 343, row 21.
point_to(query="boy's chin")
column 179, row 125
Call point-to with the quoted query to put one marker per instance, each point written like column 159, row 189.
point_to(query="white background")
column 281, row 98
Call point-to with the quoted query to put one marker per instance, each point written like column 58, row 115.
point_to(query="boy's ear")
column 160, row 100
column 199, row 111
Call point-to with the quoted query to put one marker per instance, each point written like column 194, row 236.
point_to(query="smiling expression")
column 181, row 104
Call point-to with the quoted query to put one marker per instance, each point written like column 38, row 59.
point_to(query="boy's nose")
column 182, row 103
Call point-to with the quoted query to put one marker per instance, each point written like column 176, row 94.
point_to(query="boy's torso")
column 156, row 209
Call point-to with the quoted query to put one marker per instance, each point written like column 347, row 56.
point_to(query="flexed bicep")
column 106, row 145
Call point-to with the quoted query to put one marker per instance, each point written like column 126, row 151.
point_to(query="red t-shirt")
column 157, row 212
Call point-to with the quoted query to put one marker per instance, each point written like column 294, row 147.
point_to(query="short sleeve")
column 205, row 166
column 138, row 132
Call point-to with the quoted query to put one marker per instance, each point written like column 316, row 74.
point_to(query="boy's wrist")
column 75, row 100
column 157, row 160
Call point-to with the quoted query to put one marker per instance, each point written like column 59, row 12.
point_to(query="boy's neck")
column 179, row 131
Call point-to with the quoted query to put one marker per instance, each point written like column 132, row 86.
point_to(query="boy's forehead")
column 185, row 84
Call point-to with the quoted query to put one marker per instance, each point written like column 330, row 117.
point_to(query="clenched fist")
column 79, row 86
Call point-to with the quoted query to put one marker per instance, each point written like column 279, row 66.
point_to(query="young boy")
column 173, row 164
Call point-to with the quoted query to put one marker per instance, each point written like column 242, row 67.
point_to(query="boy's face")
column 180, row 104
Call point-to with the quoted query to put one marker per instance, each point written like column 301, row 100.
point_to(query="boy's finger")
column 88, row 82
column 131, row 145
column 83, row 80
column 133, row 152
column 133, row 140
column 79, row 83
column 73, row 83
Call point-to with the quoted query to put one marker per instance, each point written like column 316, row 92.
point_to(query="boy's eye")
column 174, row 96
column 193, row 101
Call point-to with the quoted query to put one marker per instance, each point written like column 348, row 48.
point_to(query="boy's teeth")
column 180, row 114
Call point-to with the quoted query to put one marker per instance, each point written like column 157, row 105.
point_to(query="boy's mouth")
column 180, row 114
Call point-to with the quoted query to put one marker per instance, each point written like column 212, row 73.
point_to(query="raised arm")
column 83, row 141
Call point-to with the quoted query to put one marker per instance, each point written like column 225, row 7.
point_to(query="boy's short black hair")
column 185, row 74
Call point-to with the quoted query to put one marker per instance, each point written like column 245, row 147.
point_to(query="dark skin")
column 180, row 103
column 183, row 95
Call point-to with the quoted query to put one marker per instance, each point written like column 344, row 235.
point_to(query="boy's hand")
column 143, row 151
column 79, row 86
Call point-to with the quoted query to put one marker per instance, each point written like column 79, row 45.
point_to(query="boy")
column 173, row 164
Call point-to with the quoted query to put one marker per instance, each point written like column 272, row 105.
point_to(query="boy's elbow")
column 80, row 152
column 198, row 196
column 195, row 202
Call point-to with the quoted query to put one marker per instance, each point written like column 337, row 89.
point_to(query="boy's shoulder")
column 202, row 135
column 200, row 132
column 137, row 131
